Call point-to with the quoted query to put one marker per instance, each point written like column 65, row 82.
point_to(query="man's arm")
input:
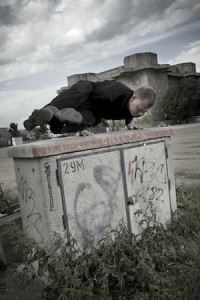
column 131, row 126
column 128, row 121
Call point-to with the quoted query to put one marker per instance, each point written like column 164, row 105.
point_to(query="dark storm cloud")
column 39, row 35
column 7, row 15
column 144, row 9
column 122, row 16
column 17, row 20
column 12, row 12
column 118, row 17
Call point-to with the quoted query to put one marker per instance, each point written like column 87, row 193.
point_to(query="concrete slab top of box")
column 74, row 144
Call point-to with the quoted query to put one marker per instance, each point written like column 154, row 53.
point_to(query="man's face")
column 138, row 107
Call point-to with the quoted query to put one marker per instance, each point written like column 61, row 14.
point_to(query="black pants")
column 88, row 119
column 75, row 97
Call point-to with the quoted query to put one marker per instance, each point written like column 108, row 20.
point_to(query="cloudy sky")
column 44, row 41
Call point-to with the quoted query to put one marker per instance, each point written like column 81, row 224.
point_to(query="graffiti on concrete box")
column 147, row 181
column 48, row 174
column 73, row 166
column 145, row 171
column 94, row 194
column 28, row 201
column 94, row 188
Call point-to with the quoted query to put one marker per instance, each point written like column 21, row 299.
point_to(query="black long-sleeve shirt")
column 107, row 99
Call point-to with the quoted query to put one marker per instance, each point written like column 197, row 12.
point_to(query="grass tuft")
column 6, row 201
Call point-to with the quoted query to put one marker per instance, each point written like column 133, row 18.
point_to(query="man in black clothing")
column 86, row 103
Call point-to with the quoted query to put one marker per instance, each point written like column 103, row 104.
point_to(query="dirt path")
column 7, row 173
column 17, row 283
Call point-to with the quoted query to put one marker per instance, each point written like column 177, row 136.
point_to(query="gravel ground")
column 18, row 283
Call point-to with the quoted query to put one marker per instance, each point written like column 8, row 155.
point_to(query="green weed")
column 157, row 264
column 6, row 200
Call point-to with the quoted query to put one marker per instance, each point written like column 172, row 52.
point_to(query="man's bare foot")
column 84, row 133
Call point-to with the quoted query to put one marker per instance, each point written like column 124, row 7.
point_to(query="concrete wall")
column 17, row 141
column 88, row 185
column 185, row 68
column 3, row 141
column 10, row 141
column 4, row 132
column 75, row 78
column 134, row 80
column 141, row 60
column 109, row 74
column 159, row 81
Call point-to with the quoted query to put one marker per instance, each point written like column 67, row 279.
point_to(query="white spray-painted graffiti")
column 147, row 182
column 144, row 172
column 95, row 221
column 94, row 187
column 97, row 196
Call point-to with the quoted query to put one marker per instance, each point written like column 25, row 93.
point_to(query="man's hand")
column 133, row 127
column 84, row 133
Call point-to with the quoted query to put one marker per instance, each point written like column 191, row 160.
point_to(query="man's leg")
column 88, row 119
column 58, row 128
column 40, row 117
column 45, row 115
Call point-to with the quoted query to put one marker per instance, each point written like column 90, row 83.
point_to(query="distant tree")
column 183, row 101
column 13, row 130
column 190, row 95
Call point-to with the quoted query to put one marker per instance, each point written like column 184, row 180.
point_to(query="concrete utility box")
column 89, row 184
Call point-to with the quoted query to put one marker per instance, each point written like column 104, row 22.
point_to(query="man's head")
column 142, row 101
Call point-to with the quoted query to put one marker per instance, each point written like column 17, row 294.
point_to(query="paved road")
column 186, row 153
column 185, row 149
column 7, row 174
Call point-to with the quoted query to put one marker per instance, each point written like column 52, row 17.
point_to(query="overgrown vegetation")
column 182, row 101
column 6, row 201
column 157, row 264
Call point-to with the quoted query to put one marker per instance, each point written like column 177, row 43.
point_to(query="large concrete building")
column 143, row 69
